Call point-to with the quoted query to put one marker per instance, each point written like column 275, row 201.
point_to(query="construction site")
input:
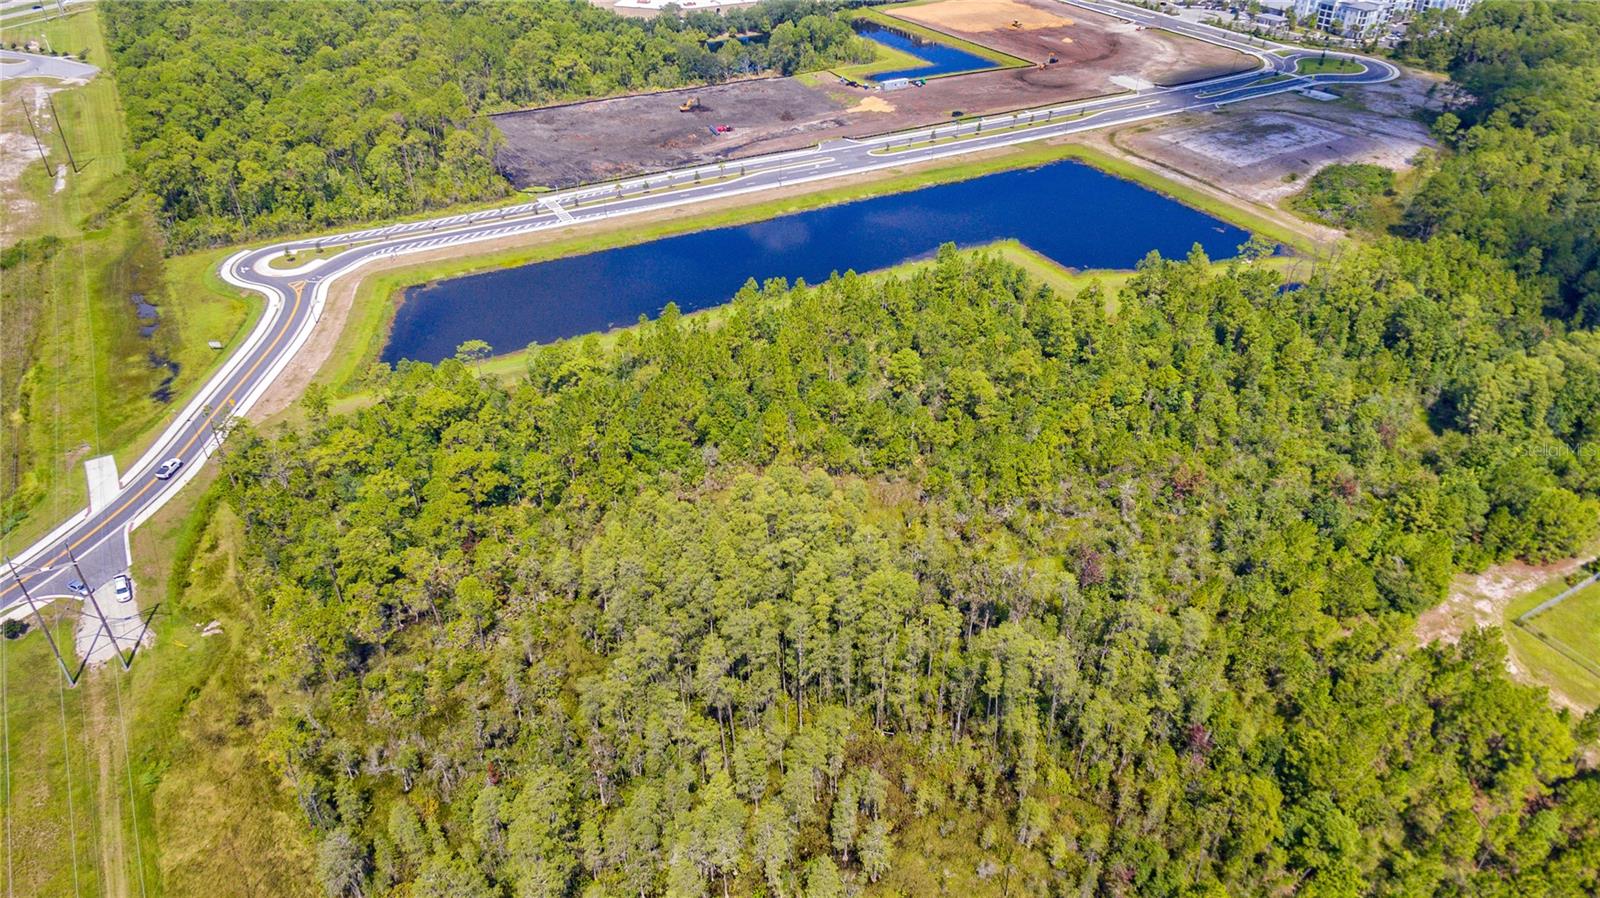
column 1054, row 54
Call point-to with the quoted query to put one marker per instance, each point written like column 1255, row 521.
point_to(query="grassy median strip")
column 1328, row 65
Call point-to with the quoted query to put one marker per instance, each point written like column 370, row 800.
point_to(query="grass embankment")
column 79, row 380
column 878, row 16
column 361, row 340
column 1561, row 646
column 207, row 806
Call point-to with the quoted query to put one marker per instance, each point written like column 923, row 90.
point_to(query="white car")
column 123, row 588
column 168, row 468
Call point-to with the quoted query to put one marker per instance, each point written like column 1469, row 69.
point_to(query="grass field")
column 79, row 380
column 1561, row 645
column 48, row 789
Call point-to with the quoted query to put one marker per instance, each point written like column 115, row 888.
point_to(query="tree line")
column 257, row 118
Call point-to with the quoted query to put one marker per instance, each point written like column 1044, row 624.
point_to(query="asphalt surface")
column 98, row 538
column 37, row 65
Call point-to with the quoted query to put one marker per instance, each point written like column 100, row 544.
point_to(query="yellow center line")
column 298, row 287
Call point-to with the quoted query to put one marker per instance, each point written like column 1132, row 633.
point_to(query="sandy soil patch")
column 1480, row 600
column 127, row 628
column 1477, row 601
column 18, row 151
column 1090, row 44
column 982, row 15
column 873, row 104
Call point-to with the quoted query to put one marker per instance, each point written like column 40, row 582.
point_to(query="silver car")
column 123, row 587
column 168, row 468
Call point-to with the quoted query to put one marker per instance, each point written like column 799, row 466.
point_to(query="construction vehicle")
column 1016, row 23
column 689, row 105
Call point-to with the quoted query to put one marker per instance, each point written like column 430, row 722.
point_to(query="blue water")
column 941, row 59
column 1069, row 212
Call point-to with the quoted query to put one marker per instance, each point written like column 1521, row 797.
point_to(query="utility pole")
column 49, row 636
column 35, row 132
column 95, row 603
column 62, row 130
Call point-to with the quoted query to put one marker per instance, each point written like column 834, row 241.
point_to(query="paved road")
column 37, row 65
column 295, row 297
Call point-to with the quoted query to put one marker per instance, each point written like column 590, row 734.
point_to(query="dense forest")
column 952, row 584
column 1524, row 177
column 938, row 580
column 257, row 117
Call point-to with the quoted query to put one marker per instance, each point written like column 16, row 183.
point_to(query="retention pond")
column 1075, row 215
column 937, row 58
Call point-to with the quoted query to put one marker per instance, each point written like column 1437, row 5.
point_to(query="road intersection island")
column 97, row 537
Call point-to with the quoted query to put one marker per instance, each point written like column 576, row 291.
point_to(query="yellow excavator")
column 689, row 105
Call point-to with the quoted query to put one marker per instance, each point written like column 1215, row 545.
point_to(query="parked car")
column 123, row 587
column 168, row 468
column 78, row 587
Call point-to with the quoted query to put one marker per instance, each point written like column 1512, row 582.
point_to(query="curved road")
column 98, row 537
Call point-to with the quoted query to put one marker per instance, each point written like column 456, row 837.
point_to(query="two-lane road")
column 98, row 537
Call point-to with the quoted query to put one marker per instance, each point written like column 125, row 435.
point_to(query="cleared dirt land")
column 1088, row 45
column 1264, row 151
column 559, row 146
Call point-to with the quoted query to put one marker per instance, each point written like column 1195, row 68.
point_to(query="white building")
column 1364, row 18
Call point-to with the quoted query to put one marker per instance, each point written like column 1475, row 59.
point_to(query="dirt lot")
column 560, row 146
column 1264, row 150
column 1095, row 46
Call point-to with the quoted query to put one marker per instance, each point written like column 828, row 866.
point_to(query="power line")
column 95, row 603
column 66, row 765
column 133, row 806
column 48, row 634
column 5, row 738
column 35, row 132
column 62, row 130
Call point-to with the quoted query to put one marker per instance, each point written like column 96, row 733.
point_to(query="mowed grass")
column 1327, row 65
column 73, row 34
column 1561, row 646
column 79, row 379
column 48, row 787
